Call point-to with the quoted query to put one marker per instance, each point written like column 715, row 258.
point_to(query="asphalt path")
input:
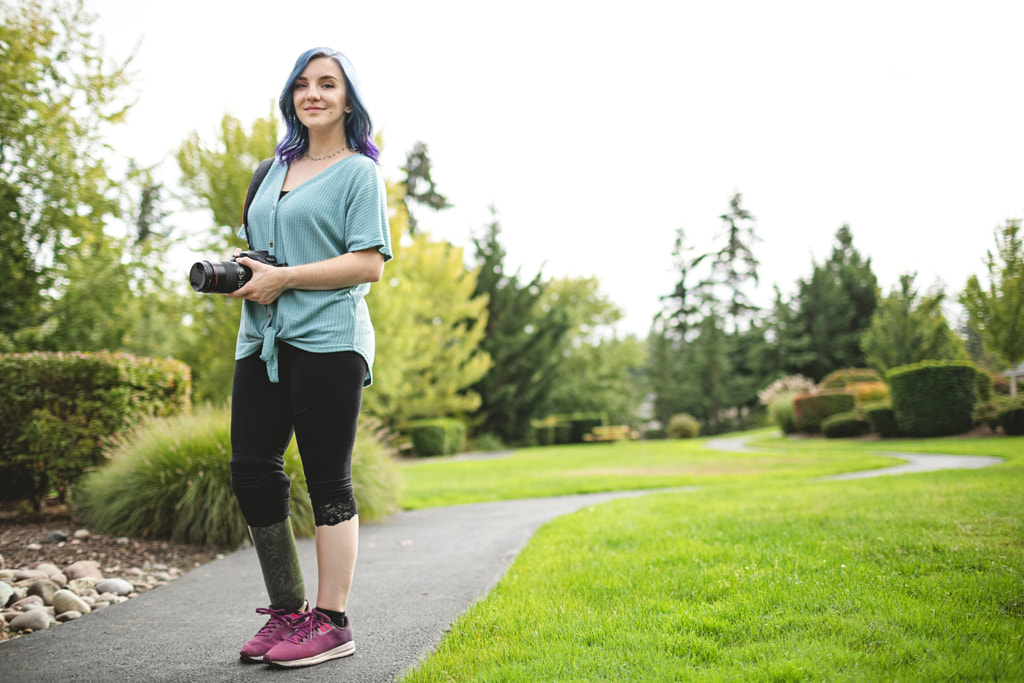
column 417, row 572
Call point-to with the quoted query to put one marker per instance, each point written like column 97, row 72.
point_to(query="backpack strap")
column 254, row 185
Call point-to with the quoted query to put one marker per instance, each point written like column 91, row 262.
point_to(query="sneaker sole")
column 340, row 651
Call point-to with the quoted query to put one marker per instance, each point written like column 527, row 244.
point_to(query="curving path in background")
column 915, row 462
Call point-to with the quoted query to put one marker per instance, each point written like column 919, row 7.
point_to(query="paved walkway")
column 417, row 572
column 914, row 462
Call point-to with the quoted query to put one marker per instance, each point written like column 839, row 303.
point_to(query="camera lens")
column 220, row 277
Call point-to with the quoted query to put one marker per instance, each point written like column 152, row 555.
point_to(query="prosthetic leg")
column 279, row 560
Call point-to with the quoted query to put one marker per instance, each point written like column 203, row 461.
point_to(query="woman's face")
column 319, row 95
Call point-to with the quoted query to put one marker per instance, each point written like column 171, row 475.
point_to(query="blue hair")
column 358, row 126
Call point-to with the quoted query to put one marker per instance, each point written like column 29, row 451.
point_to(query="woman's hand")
column 348, row 270
column 266, row 285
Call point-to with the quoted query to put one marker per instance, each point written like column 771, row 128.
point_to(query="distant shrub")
column 683, row 426
column 487, row 443
column 810, row 411
column 781, row 412
column 565, row 428
column 933, row 398
column 654, row 434
column 60, row 410
column 171, row 479
column 869, row 392
column 840, row 379
column 987, row 413
column 791, row 386
column 882, row 420
column 844, row 425
column 437, row 436
column 1011, row 417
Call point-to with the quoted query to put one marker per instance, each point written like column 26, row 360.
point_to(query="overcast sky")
column 597, row 129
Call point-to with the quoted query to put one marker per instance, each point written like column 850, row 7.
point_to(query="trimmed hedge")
column 882, row 420
column 1011, row 417
column 438, row 436
column 840, row 379
column 555, row 430
column 934, row 398
column 844, row 425
column 810, row 411
column 61, row 411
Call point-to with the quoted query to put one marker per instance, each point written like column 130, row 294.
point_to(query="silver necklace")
column 326, row 157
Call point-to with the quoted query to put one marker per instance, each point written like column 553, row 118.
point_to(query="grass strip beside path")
column 769, row 577
column 621, row 466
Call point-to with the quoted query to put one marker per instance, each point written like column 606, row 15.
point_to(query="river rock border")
column 42, row 595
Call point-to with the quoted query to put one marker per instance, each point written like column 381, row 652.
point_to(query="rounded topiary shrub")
column 438, row 436
column 810, row 411
column 1011, row 417
column 171, row 479
column 840, row 379
column 844, row 425
column 683, row 426
column 933, row 398
column 882, row 420
column 869, row 392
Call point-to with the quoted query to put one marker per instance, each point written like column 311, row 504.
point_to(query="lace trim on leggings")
column 331, row 514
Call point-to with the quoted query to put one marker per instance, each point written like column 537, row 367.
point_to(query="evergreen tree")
column 419, row 185
column 834, row 308
column 908, row 327
column 523, row 342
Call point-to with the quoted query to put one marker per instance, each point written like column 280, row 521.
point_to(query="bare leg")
column 336, row 550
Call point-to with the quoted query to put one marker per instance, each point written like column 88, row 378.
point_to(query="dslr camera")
column 224, row 277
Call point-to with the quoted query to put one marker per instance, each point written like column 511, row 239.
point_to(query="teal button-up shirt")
column 342, row 209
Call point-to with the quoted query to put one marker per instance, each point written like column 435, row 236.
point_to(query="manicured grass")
column 771, row 577
column 622, row 466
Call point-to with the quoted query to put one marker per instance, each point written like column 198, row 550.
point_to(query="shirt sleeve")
column 366, row 213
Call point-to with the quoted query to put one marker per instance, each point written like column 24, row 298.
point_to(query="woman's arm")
column 270, row 282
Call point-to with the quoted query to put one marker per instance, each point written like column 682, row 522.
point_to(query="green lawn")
column 760, row 574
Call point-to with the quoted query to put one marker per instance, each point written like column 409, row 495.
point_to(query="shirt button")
column 271, row 244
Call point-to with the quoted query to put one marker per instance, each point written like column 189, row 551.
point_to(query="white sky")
column 598, row 128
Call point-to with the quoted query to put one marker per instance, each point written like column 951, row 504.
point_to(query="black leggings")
column 318, row 397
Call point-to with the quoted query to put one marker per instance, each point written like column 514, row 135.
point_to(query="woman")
column 305, row 352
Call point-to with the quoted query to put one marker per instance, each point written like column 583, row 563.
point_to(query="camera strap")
column 254, row 185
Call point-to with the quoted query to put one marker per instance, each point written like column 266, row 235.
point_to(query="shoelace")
column 276, row 616
column 304, row 623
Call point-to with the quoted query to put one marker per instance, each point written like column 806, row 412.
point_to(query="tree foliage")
column 216, row 177
column 834, row 308
column 523, row 340
column 61, row 270
column 419, row 185
column 598, row 372
column 997, row 311
column 908, row 327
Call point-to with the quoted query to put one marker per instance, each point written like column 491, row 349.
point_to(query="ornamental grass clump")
column 171, row 479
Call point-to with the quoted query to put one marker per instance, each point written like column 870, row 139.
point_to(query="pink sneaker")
column 277, row 628
column 315, row 639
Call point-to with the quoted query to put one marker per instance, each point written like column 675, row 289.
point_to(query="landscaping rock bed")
column 53, row 571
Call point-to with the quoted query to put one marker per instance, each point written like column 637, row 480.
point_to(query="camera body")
column 224, row 277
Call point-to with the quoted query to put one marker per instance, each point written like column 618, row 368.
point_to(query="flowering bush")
column 787, row 386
